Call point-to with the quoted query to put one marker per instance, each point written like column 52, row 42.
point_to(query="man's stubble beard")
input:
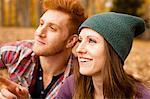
column 49, row 51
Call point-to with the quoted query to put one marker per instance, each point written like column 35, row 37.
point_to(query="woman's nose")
column 81, row 48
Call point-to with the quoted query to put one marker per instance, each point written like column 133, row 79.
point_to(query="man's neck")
column 52, row 66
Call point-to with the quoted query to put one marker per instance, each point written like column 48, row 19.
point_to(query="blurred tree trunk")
column 23, row 14
column 2, row 13
column 26, row 13
column 145, row 13
column 10, row 11
column 89, row 6
column 93, row 6
column 85, row 3
column 100, row 5
column 19, row 12
column 38, row 10
column 15, row 13
column 127, row 6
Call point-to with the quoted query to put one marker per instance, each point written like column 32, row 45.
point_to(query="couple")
column 40, row 68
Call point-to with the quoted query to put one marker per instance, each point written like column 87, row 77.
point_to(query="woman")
column 105, row 41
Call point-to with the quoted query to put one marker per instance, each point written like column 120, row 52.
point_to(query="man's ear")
column 72, row 41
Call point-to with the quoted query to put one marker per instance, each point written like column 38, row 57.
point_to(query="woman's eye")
column 79, row 40
column 92, row 41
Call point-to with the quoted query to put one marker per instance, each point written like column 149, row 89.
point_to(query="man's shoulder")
column 26, row 43
column 16, row 50
column 18, row 56
column 17, row 45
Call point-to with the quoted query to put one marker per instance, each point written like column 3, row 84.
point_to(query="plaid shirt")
column 21, row 63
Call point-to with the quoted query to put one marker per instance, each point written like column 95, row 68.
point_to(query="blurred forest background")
column 19, row 19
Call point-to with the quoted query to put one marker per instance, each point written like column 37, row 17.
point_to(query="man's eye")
column 92, row 41
column 41, row 24
column 53, row 28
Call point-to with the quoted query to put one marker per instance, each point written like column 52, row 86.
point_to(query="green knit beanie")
column 117, row 29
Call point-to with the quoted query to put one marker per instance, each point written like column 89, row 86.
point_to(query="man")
column 43, row 65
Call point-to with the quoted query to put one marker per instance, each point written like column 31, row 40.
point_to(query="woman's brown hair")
column 117, row 84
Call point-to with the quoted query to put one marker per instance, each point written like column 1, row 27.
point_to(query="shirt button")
column 42, row 92
column 40, row 78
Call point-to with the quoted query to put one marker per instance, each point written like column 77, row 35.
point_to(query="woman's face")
column 91, row 52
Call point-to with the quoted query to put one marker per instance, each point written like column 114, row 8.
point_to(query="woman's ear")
column 72, row 41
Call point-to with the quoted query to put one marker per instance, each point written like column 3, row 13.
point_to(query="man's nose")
column 41, row 31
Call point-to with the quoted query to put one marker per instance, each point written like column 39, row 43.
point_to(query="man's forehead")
column 55, row 16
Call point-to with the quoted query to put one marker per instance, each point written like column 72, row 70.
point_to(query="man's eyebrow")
column 50, row 23
column 41, row 20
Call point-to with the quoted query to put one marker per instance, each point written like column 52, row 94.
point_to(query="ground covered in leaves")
column 137, row 63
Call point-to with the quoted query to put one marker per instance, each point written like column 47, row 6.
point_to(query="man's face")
column 52, row 33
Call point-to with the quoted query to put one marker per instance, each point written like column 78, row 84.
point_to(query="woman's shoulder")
column 70, row 78
column 66, row 90
column 144, row 91
column 70, row 83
